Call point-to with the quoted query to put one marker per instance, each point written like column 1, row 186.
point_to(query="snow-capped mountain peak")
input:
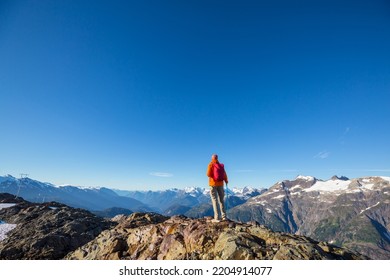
column 385, row 178
column 7, row 178
column 78, row 187
column 305, row 178
column 244, row 191
column 193, row 190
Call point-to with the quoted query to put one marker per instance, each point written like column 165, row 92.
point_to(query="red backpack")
column 218, row 172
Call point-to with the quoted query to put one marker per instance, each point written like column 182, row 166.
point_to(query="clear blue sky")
column 139, row 94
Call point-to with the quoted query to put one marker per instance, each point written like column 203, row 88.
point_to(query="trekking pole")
column 227, row 200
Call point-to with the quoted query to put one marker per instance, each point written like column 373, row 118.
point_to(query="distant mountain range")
column 194, row 202
column 191, row 202
column 95, row 199
column 351, row 213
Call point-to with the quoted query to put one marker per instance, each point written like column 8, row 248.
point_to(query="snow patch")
column 385, row 178
column 261, row 202
column 368, row 208
column 329, row 186
column 4, row 229
column 268, row 210
column 306, row 178
column 296, row 187
column 354, row 191
column 270, row 192
column 6, row 205
column 278, row 197
column 295, row 193
column 369, row 186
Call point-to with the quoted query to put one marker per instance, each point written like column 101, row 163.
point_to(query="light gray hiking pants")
column 217, row 198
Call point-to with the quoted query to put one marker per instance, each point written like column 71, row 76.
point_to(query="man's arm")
column 208, row 172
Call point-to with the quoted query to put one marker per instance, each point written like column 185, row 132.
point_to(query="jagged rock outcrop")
column 153, row 236
column 47, row 230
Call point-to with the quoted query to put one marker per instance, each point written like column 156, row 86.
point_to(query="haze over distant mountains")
column 109, row 202
column 192, row 202
column 90, row 198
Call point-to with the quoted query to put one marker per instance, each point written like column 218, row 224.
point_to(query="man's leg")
column 221, row 201
column 214, row 198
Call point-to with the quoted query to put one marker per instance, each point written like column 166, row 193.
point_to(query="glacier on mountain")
column 329, row 186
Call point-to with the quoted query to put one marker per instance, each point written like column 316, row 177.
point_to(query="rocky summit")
column 45, row 230
column 149, row 236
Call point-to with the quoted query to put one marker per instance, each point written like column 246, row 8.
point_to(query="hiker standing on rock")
column 217, row 175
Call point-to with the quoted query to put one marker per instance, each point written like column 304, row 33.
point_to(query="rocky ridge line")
column 152, row 236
